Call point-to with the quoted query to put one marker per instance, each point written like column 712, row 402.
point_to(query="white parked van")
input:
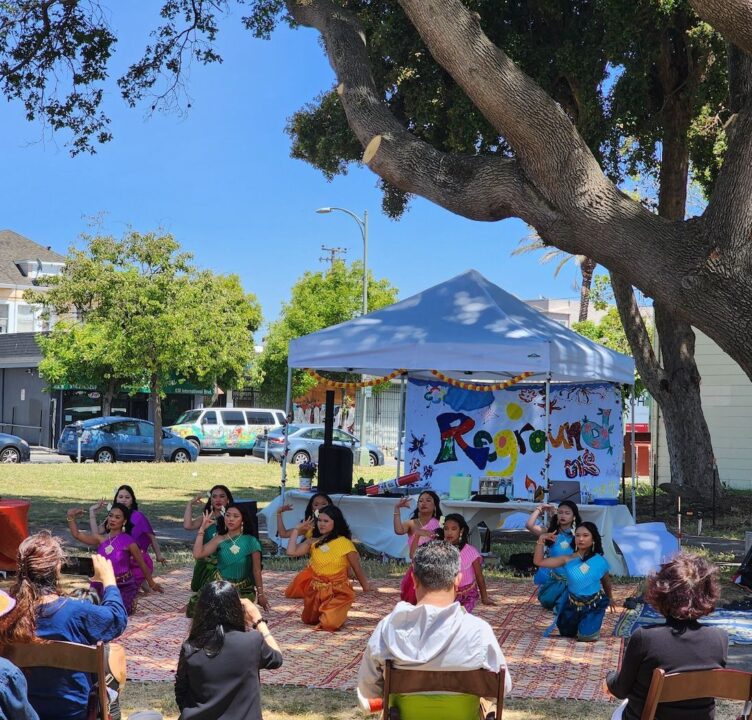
column 228, row 429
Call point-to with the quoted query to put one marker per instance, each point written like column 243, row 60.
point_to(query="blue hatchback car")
column 107, row 439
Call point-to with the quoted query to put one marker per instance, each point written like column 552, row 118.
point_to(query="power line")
column 333, row 252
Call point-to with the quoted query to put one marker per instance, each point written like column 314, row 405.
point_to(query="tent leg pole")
column 633, row 452
column 548, row 433
column 401, row 424
column 288, row 410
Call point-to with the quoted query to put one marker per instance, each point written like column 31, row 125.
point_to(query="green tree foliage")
column 317, row 300
column 149, row 318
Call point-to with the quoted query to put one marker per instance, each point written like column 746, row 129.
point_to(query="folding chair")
column 63, row 656
column 691, row 685
column 482, row 683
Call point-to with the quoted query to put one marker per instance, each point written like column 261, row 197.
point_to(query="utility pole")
column 333, row 252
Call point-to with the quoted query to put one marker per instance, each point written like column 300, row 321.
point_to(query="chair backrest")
column 63, row 656
column 727, row 684
column 483, row 683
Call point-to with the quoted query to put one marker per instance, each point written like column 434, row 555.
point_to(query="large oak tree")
column 532, row 76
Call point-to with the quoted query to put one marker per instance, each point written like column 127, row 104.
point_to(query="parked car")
column 232, row 430
column 107, row 439
column 13, row 449
column 304, row 443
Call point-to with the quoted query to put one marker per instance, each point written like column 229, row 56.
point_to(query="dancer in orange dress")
column 328, row 596
column 297, row 588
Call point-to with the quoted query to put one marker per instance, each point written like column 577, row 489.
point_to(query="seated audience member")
column 436, row 634
column 683, row 590
column 42, row 611
column 13, row 700
column 218, row 669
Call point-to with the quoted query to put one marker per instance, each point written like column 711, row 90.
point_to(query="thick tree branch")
column 731, row 18
column 729, row 212
column 477, row 187
column 546, row 143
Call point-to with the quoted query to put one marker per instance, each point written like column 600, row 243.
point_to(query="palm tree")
column 533, row 243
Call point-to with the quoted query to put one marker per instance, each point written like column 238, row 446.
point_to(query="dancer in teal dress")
column 563, row 524
column 238, row 555
column 580, row 612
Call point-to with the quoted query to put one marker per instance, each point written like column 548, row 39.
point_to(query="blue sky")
column 221, row 180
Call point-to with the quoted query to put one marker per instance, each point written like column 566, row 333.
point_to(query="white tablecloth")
column 370, row 519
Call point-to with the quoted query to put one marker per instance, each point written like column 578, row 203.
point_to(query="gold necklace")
column 235, row 548
column 108, row 548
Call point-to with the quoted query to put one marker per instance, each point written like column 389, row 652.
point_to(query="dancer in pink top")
column 472, row 583
column 420, row 528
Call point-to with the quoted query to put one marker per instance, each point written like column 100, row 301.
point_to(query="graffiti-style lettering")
column 597, row 435
column 506, row 447
column 537, row 441
column 561, row 437
column 527, row 427
column 483, row 438
column 581, row 466
column 452, row 427
column 573, row 434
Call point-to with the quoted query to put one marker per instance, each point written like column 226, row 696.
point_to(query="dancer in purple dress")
column 118, row 547
column 141, row 531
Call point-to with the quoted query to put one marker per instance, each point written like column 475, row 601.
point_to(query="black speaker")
column 335, row 469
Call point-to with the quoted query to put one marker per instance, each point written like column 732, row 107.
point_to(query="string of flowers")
column 477, row 387
column 358, row 384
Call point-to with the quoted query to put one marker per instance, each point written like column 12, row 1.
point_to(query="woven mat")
column 737, row 623
column 541, row 667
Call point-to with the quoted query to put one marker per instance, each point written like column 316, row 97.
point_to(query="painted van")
column 227, row 429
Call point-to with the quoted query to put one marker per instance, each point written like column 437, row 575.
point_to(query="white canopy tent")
column 466, row 328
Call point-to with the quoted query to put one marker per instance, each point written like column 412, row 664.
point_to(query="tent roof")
column 465, row 327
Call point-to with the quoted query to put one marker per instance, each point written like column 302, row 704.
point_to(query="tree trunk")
column 157, row 405
column 587, row 268
column 107, row 396
column 675, row 386
column 690, row 450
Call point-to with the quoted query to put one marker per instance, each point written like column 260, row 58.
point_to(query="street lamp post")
column 363, row 226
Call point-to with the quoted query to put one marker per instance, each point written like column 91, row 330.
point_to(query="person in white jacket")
column 435, row 634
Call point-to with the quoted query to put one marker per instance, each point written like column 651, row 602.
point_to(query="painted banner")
column 502, row 435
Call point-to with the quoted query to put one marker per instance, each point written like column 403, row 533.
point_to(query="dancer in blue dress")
column 565, row 520
column 589, row 592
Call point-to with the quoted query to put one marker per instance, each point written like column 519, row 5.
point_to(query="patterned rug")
column 738, row 623
column 541, row 667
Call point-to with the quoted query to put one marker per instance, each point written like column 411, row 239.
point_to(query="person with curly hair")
column 683, row 591
column 581, row 609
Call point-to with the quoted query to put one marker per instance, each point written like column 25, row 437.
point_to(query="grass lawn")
column 296, row 703
column 162, row 490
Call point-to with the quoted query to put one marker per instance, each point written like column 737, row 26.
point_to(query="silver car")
column 305, row 441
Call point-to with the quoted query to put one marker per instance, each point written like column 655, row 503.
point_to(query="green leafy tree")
column 317, row 300
column 83, row 355
column 495, row 110
column 609, row 331
column 149, row 318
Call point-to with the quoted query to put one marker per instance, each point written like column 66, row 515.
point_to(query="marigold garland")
column 481, row 388
column 361, row 384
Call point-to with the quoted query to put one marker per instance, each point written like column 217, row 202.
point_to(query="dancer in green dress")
column 238, row 555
